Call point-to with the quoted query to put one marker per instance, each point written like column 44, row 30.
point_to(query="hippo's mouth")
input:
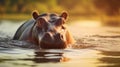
column 46, row 45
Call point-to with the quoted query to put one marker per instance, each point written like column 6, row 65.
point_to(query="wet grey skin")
column 48, row 31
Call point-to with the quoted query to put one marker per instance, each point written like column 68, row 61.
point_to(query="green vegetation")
column 103, row 10
column 15, row 17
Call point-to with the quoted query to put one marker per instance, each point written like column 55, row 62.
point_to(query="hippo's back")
column 25, row 26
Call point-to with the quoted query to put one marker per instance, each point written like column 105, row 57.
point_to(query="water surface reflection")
column 47, row 57
column 111, row 59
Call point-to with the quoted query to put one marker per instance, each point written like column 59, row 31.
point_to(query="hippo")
column 48, row 31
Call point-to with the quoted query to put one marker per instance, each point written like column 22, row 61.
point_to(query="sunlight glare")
column 89, row 23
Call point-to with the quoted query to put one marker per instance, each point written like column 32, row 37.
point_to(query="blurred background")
column 106, row 11
column 95, row 24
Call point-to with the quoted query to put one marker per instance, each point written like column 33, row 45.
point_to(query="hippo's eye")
column 45, row 28
column 38, row 28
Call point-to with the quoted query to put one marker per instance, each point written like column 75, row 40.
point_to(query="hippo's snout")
column 53, row 41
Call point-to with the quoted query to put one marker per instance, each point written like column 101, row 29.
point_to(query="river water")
column 96, row 46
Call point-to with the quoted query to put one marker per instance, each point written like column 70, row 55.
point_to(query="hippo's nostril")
column 58, row 36
column 47, row 37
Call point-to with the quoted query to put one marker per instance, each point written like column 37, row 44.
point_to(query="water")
column 95, row 46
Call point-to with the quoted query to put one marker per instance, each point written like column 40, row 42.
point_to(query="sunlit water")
column 95, row 46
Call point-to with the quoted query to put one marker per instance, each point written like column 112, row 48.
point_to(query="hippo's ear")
column 64, row 15
column 35, row 14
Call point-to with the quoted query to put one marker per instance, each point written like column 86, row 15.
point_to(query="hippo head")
column 50, row 31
